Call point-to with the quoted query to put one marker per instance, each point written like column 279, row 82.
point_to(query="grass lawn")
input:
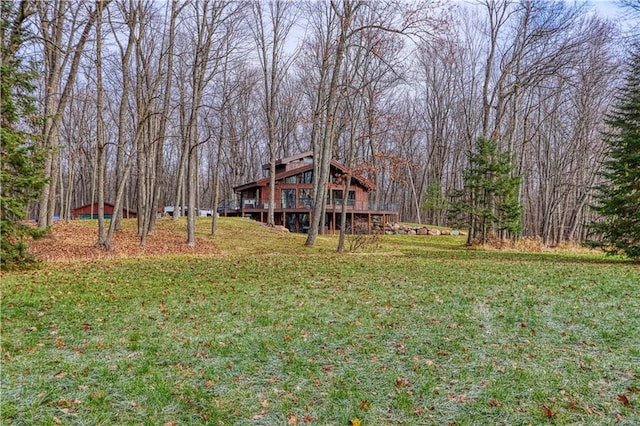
column 266, row 331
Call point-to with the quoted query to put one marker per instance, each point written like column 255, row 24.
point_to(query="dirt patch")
column 76, row 241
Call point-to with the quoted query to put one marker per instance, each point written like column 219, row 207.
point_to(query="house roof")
column 265, row 181
column 290, row 159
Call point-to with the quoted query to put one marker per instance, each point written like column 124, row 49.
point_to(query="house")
column 294, row 198
column 90, row 211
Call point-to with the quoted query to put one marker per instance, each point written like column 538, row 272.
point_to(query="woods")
column 147, row 104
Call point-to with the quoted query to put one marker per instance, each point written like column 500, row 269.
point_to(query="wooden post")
column 333, row 222
column 353, row 223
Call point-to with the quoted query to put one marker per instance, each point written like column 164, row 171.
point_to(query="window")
column 305, row 198
column 288, row 198
column 307, row 177
column 291, row 179
column 336, row 197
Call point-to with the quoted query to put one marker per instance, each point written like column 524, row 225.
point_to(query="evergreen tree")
column 435, row 202
column 488, row 204
column 618, row 197
column 21, row 177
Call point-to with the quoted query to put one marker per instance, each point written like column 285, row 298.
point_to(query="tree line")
column 145, row 104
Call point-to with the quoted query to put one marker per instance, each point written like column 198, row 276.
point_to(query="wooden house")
column 294, row 198
column 90, row 211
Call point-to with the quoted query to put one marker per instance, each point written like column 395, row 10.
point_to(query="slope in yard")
column 414, row 331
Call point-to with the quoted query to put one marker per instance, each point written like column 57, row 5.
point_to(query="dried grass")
column 533, row 245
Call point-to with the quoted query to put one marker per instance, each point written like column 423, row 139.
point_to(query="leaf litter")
column 75, row 241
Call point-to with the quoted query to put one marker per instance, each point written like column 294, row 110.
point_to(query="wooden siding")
column 85, row 212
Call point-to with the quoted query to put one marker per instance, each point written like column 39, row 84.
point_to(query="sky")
column 607, row 8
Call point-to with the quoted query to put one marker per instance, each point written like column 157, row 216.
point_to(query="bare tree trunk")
column 216, row 177
column 347, row 185
column 100, row 142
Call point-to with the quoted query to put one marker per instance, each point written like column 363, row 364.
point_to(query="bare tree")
column 208, row 24
column 100, row 141
column 270, row 35
column 137, row 16
column 65, row 27
column 343, row 24
column 326, row 108
column 167, row 58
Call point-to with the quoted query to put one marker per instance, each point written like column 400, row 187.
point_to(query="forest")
column 146, row 104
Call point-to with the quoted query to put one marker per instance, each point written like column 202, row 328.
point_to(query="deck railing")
column 332, row 205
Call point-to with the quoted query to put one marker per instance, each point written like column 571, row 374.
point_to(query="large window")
column 291, row 179
column 288, row 198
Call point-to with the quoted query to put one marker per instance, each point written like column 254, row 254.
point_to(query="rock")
column 422, row 231
column 395, row 226
column 454, row 232
column 389, row 232
column 401, row 232
column 444, row 232
column 411, row 232
column 434, row 232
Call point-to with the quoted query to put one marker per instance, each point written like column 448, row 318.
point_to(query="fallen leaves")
column 97, row 395
column 292, row 419
column 548, row 412
column 258, row 416
column 624, row 399
column 263, row 401
column 403, row 383
column 76, row 241
column 493, row 403
column 68, row 406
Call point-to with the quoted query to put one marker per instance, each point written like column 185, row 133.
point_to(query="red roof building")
column 90, row 211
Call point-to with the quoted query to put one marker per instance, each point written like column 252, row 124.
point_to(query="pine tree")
column 618, row 197
column 488, row 204
column 435, row 202
column 21, row 177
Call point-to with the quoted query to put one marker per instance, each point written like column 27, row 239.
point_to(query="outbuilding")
column 90, row 211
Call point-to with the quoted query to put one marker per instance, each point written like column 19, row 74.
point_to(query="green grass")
column 416, row 331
